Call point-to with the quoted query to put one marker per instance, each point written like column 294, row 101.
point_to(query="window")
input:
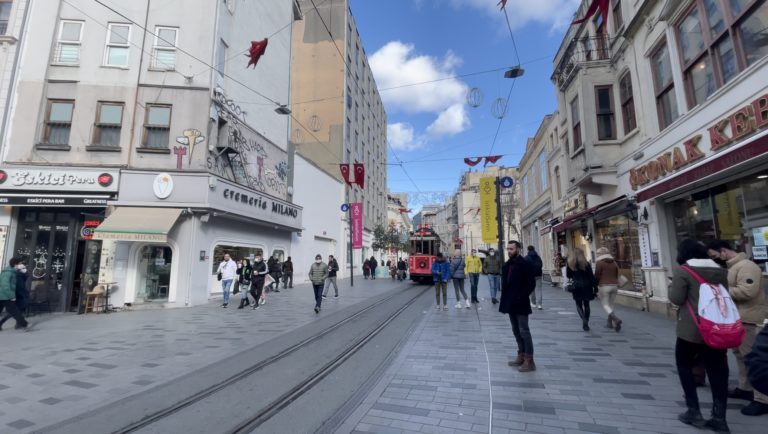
column 118, row 40
column 557, row 183
column 109, row 120
column 543, row 171
column 221, row 58
column 68, row 44
column 164, row 50
column 606, row 119
column 157, row 126
column 666, row 103
column 349, row 98
column 698, row 69
column 5, row 13
column 576, row 122
column 525, row 190
column 59, row 122
column 754, row 34
column 627, row 103
column 618, row 19
column 349, row 129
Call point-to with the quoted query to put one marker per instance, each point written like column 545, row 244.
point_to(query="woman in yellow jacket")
column 473, row 268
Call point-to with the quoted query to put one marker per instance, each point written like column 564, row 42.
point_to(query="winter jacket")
column 441, row 271
column 607, row 272
column 245, row 274
column 535, row 260
column 288, row 267
column 584, row 283
column 259, row 274
column 333, row 267
column 757, row 362
column 457, row 267
column 745, row 289
column 517, row 284
column 228, row 270
column 22, row 295
column 318, row 273
column 8, row 284
column 374, row 263
column 492, row 263
column 402, row 266
column 685, row 288
column 474, row 265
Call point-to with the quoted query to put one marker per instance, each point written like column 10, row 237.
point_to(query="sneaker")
column 539, row 307
column 263, row 301
column 467, row 303
column 494, row 301
column 445, row 307
column 276, row 290
column 224, row 305
column 324, row 297
column 458, row 305
column 755, row 409
column 317, row 309
column 692, row 417
column 255, row 306
column 336, row 296
column 741, row 394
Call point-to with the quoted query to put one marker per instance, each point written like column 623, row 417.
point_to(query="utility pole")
column 351, row 252
column 499, row 217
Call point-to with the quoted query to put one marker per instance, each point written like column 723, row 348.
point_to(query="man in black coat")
column 517, row 284
column 757, row 362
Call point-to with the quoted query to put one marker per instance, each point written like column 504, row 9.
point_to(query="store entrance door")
column 87, row 273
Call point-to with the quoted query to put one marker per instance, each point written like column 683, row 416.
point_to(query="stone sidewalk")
column 69, row 364
column 452, row 377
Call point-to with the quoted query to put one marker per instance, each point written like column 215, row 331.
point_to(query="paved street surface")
column 598, row 382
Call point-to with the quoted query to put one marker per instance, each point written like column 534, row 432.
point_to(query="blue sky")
column 409, row 41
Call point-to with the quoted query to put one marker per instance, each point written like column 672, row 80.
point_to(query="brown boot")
column 528, row 364
column 616, row 323
column 610, row 322
column 518, row 361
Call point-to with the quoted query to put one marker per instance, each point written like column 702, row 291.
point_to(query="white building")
column 139, row 148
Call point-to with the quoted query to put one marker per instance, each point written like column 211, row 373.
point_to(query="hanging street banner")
column 357, row 226
column 488, row 210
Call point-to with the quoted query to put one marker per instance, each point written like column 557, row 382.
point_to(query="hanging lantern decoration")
column 297, row 136
column 499, row 108
column 315, row 124
column 475, row 97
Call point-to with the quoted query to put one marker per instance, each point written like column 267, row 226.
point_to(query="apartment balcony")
column 590, row 175
column 593, row 51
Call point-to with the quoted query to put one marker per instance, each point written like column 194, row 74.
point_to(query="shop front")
column 53, row 213
column 168, row 233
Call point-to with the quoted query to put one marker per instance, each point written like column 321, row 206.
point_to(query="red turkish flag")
column 492, row 159
column 345, row 173
column 360, row 175
column 603, row 5
column 258, row 48
column 472, row 162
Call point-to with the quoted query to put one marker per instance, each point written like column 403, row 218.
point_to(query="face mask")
column 258, row 259
column 721, row 262
column 492, row 252
column 317, row 261
column 22, row 269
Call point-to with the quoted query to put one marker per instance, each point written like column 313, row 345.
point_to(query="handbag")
column 218, row 276
column 623, row 280
column 569, row 286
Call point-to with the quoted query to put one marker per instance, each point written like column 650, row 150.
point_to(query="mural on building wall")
column 243, row 155
column 189, row 138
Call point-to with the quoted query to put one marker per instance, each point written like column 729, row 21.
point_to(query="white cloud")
column 402, row 137
column 453, row 120
column 555, row 13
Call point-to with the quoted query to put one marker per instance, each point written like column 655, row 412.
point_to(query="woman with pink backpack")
column 696, row 267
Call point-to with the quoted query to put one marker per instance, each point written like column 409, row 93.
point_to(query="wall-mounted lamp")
column 631, row 211
column 283, row 110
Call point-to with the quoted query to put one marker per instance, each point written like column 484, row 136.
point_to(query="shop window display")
column 619, row 235
column 154, row 273
column 237, row 253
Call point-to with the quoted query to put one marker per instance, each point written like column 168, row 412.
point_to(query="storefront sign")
column 51, row 179
column 760, row 253
column 88, row 227
column 545, row 230
column 645, row 246
column 488, row 225
column 163, row 186
column 357, row 226
column 742, row 123
column 54, row 200
column 575, row 204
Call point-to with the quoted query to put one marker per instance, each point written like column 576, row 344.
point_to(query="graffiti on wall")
column 188, row 139
column 245, row 156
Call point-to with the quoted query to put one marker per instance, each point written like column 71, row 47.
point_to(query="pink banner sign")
column 357, row 226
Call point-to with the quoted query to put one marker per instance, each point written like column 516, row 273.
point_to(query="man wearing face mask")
column 318, row 272
column 9, row 290
column 492, row 267
column 257, row 281
column 745, row 289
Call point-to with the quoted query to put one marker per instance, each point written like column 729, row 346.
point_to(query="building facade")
column 139, row 149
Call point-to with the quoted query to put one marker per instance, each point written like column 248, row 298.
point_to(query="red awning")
column 568, row 221
column 735, row 157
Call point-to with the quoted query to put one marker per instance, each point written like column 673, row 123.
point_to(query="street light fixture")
column 514, row 72
column 283, row 110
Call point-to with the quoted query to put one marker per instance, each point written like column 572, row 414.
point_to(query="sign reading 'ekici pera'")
column 740, row 124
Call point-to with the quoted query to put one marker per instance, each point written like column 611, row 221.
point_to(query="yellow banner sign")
column 488, row 210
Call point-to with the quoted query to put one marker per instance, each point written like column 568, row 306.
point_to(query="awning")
column 138, row 224
column 569, row 220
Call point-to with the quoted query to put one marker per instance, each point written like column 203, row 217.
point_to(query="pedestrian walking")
column 607, row 276
column 8, row 297
column 757, row 362
column 472, row 269
column 457, row 276
column 583, row 287
column 517, row 284
column 441, row 274
column 226, row 274
column 274, row 267
column 402, row 269
column 748, row 295
column 537, row 265
column 559, row 271
column 244, row 274
column 367, row 269
column 333, row 267
column 373, row 264
column 288, row 273
column 684, row 290
column 318, row 273
column 492, row 267
column 258, row 277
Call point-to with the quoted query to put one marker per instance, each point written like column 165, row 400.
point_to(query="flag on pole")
column 602, row 5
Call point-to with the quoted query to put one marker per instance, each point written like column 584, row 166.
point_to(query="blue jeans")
column 225, row 285
column 474, row 278
column 495, row 281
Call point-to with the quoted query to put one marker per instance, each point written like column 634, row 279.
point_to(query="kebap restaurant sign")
column 724, row 133
column 58, row 179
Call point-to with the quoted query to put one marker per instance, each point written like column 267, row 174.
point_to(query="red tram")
column 425, row 244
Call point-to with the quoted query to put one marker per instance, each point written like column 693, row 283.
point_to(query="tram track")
column 265, row 412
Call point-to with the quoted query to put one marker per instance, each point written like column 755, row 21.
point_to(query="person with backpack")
column 458, row 276
column 748, row 295
column 685, row 293
column 441, row 274
column 537, row 265
column 583, row 286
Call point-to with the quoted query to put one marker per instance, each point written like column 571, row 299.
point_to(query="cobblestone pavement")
column 69, row 364
column 598, row 382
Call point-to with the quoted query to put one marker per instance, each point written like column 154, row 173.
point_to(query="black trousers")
column 522, row 333
column 318, row 294
column 256, row 290
column 12, row 311
column 716, row 364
